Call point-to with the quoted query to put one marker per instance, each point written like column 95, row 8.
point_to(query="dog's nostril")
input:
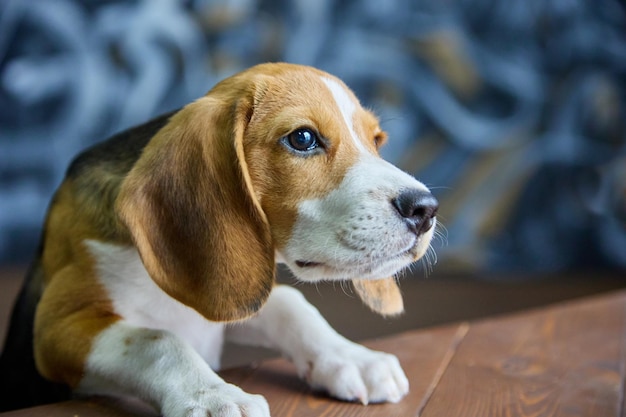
column 420, row 212
column 418, row 208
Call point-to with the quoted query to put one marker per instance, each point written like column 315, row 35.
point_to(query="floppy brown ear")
column 382, row 295
column 191, row 211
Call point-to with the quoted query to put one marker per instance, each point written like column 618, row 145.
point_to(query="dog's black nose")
column 418, row 208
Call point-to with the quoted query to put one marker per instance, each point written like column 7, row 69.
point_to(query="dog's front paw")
column 355, row 373
column 223, row 400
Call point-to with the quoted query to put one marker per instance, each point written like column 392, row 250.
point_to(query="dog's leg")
column 324, row 358
column 157, row 367
column 96, row 351
column 163, row 370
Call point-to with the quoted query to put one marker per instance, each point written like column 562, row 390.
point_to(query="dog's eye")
column 302, row 140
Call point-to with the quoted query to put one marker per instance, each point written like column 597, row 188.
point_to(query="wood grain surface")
column 561, row 361
column 568, row 359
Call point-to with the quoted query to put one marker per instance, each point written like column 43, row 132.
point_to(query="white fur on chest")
column 142, row 303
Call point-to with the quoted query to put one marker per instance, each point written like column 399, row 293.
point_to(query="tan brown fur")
column 382, row 296
column 193, row 219
column 74, row 307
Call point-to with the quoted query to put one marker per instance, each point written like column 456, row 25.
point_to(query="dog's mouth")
column 307, row 264
column 311, row 264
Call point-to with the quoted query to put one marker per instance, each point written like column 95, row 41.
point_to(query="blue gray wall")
column 513, row 111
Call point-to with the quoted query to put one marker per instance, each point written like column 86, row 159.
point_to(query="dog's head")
column 277, row 163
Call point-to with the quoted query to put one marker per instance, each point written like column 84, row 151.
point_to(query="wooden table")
column 567, row 359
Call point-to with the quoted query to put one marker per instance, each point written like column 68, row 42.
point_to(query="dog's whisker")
column 433, row 256
column 441, row 233
column 345, row 287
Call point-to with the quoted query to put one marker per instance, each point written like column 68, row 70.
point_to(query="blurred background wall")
column 513, row 111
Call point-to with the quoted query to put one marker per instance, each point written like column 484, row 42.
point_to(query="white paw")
column 352, row 372
column 223, row 400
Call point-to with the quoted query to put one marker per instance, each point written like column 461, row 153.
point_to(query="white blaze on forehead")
column 347, row 106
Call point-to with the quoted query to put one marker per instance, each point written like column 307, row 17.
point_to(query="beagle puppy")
column 161, row 243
